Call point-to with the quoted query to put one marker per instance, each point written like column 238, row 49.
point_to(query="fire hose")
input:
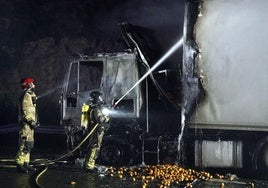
column 72, row 151
column 63, row 156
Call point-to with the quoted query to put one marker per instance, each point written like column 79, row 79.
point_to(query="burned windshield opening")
column 90, row 75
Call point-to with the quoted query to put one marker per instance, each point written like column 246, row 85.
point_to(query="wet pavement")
column 60, row 178
column 61, row 175
column 71, row 174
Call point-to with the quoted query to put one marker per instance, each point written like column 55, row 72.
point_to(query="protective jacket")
column 27, row 108
column 28, row 120
column 95, row 116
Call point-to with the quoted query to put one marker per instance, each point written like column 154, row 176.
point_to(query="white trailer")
column 225, row 82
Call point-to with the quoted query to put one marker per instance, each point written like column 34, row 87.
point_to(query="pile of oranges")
column 162, row 175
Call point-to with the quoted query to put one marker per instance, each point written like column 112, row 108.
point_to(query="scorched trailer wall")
column 225, row 82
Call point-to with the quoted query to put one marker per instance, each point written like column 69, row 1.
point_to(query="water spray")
column 158, row 63
column 48, row 92
column 179, row 155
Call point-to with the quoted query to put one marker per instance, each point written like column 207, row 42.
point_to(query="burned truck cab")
column 112, row 74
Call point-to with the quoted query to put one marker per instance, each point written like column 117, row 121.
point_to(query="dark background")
column 37, row 38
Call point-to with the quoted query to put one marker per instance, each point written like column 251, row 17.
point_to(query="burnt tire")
column 113, row 153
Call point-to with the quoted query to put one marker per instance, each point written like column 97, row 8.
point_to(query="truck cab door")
column 82, row 77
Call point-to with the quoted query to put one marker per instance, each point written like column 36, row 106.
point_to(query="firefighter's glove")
column 28, row 146
column 106, row 126
column 106, row 119
column 33, row 125
column 37, row 124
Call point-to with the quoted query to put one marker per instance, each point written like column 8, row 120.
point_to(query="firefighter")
column 94, row 116
column 28, row 121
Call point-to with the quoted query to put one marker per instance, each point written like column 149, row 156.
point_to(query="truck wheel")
column 263, row 159
column 113, row 153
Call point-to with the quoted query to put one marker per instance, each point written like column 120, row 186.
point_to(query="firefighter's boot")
column 28, row 167
column 22, row 169
column 90, row 164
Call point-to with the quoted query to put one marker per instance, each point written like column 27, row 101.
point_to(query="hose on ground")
column 70, row 152
column 43, row 162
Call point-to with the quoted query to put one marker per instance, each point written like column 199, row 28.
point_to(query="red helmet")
column 26, row 82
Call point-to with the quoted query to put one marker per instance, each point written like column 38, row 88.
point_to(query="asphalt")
column 69, row 176
column 69, row 173
column 59, row 177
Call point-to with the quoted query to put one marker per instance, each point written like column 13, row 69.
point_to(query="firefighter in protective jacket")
column 92, row 115
column 28, row 121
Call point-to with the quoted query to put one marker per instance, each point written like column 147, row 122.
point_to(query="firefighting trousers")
column 94, row 148
column 26, row 142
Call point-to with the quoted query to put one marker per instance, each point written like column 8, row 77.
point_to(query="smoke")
column 232, row 36
column 163, row 17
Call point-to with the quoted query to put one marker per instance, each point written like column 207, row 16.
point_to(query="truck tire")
column 262, row 163
column 114, row 153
